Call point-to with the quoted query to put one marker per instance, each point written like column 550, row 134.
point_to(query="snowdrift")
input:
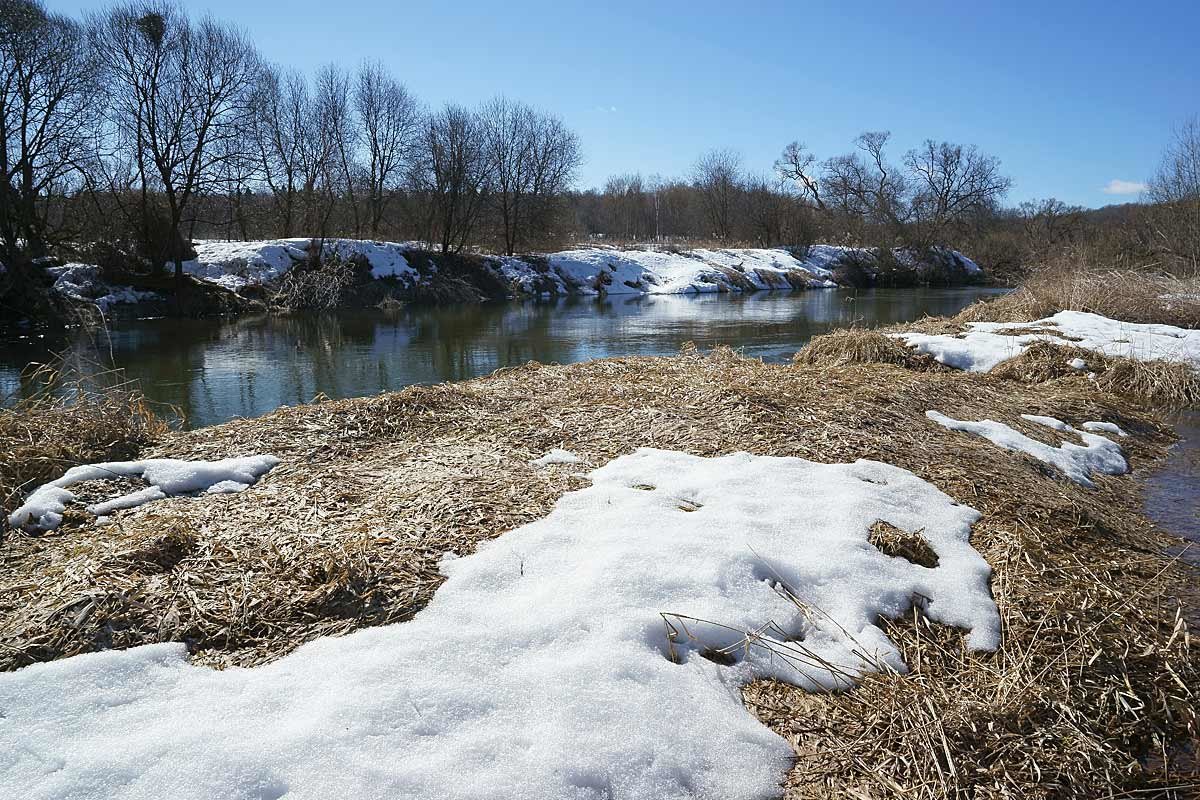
column 596, row 652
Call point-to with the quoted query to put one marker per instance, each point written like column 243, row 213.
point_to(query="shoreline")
column 287, row 275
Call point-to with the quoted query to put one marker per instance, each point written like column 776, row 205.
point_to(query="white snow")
column 1097, row 454
column 593, row 271
column 599, row 270
column 43, row 508
column 83, row 282
column 236, row 265
column 1104, row 427
column 1077, row 363
column 555, row 456
column 981, row 348
column 541, row 667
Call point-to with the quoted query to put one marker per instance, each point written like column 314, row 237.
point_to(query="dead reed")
column 862, row 346
column 1127, row 295
column 74, row 416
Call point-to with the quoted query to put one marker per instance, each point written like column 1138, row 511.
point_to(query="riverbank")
column 304, row 274
column 1089, row 686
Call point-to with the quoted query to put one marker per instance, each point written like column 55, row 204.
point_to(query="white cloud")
column 1118, row 186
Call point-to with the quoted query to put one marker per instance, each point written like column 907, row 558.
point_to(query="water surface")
column 213, row 370
column 1172, row 497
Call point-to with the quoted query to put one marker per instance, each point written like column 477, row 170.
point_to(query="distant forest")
column 129, row 132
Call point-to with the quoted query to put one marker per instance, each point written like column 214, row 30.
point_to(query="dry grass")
column 1091, row 694
column 862, row 346
column 74, row 418
column 1163, row 384
column 1127, row 295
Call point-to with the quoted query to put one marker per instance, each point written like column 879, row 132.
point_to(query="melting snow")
column 1104, row 427
column 555, row 456
column 981, row 348
column 235, row 265
column 83, row 282
column 541, row 667
column 166, row 476
column 1078, row 462
column 600, row 270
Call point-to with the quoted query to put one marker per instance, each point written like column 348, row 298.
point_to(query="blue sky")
column 1069, row 95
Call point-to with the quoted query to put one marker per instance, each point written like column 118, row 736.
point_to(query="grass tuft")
column 74, row 417
column 1130, row 296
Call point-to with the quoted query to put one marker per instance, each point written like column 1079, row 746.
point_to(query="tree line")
column 140, row 128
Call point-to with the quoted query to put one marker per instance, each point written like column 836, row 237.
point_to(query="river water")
column 1172, row 496
column 214, row 370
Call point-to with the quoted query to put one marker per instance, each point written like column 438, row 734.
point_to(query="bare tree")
column 1048, row 223
column 531, row 157
column 282, row 134
column 47, row 97
column 951, row 183
column 863, row 184
column 798, row 165
column 452, row 173
column 336, row 138
column 179, row 96
column 1175, row 189
column 389, row 120
column 717, row 175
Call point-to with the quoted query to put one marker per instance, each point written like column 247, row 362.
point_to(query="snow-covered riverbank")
column 411, row 271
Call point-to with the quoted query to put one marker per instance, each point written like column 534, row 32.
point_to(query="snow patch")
column 83, row 282
column 235, row 265
column 542, row 667
column 981, row 348
column 43, row 509
column 555, row 456
column 1077, row 363
column 1104, row 427
column 1097, row 454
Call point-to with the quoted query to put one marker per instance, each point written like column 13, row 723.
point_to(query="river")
column 215, row 369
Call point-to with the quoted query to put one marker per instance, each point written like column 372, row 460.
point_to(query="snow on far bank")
column 236, row 265
column 600, row 270
column 587, row 271
column 542, row 667
column 1097, row 454
column 83, row 282
column 982, row 347
column 591, row 271
column 43, row 509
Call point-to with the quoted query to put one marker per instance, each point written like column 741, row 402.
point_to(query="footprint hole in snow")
column 725, row 659
column 876, row 481
column 689, row 505
column 645, row 487
column 897, row 543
